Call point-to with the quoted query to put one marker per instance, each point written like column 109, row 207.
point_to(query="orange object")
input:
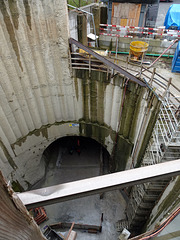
column 39, row 215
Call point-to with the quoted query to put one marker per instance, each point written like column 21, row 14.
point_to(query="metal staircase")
column 164, row 146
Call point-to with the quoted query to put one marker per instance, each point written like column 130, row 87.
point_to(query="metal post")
column 92, row 20
column 70, row 62
column 107, row 72
column 94, row 29
column 167, row 87
column 89, row 65
column 127, row 61
column 152, row 76
column 116, row 46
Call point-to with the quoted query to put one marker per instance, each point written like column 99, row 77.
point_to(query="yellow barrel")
column 138, row 47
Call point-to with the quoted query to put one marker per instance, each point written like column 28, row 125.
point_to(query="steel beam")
column 100, row 184
column 108, row 63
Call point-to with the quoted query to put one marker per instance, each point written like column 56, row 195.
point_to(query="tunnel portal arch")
column 72, row 152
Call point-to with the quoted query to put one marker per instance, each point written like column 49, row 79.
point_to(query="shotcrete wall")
column 35, row 86
column 39, row 100
column 167, row 203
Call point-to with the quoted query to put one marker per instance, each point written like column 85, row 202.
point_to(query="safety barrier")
column 90, row 60
column 129, row 31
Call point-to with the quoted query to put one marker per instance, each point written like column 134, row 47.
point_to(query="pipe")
column 92, row 20
column 94, row 29
column 162, row 54
column 158, row 57
column 147, row 54
column 163, row 225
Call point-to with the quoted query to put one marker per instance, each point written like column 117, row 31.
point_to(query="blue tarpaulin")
column 172, row 19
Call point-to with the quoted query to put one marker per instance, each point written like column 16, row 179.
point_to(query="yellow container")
column 138, row 47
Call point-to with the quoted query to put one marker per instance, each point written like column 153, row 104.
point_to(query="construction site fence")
column 145, row 32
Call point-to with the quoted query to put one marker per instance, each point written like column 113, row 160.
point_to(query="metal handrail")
column 107, row 62
column 154, row 81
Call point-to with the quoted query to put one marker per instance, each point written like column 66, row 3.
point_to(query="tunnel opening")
column 76, row 152
column 74, row 158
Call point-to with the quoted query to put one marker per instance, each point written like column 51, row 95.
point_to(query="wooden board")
column 72, row 235
column 125, row 14
column 15, row 221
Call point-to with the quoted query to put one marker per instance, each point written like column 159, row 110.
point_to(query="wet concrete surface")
column 87, row 210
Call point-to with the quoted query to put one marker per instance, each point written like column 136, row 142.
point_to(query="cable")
column 163, row 225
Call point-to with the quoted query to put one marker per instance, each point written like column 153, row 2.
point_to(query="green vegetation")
column 76, row 3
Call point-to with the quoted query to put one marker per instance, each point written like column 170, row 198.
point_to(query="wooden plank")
column 125, row 14
column 123, row 21
column 72, row 235
column 134, row 14
column 76, row 226
column 70, row 230
column 15, row 221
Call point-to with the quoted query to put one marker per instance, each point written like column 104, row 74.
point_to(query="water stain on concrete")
column 14, row 12
column 76, row 87
column 37, row 132
column 9, row 25
column 8, row 156
column 28, row 13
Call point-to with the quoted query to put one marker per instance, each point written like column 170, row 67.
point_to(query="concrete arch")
column 73, row 145
column 28, row 151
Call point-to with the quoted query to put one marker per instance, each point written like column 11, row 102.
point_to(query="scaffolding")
column 163, row 146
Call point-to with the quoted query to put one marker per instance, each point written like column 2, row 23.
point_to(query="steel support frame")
column 163, row 147
column 97, row 185
column 166, row 133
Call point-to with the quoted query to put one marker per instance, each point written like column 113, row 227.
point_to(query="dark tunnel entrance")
column 75, row 158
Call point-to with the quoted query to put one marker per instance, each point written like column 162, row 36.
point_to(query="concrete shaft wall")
column 39, row 100
column 35, row 88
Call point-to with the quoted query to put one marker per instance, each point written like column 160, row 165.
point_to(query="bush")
column 75, row 3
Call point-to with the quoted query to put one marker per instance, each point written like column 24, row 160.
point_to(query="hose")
column 163, row 225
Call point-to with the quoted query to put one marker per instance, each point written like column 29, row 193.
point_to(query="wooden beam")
column 15, row 221
column 76, row 226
